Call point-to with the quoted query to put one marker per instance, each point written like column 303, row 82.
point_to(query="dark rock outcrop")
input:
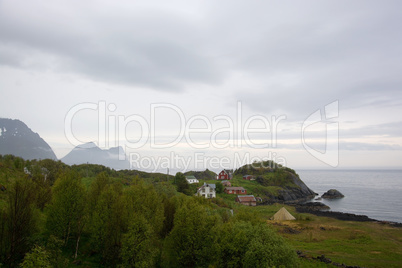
column 311, row 206
column 294, row 191
column 332, row 194
column 337, row 215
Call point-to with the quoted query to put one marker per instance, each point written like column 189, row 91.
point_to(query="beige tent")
column 283, row 215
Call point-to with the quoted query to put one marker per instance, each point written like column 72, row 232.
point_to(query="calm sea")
column 375, row 193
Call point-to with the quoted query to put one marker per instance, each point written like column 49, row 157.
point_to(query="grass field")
column 365, row 244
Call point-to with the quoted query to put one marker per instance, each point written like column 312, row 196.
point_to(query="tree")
column 42, row 190
column 244, row 244
column 138, row 245
column 107, row 225
column 219, row 187
column 231, row 243
column 142, row 199
column 66, row 213
column 18, row 221
column 268, row 249
column 53, row 247
column 38, row 257
column 95, row 190
column 182, row 184
column 189, row 242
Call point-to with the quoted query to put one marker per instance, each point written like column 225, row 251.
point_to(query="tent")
column 283, row 215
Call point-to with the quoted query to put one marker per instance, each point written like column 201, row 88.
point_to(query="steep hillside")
column 273, row 183
column 18, row 139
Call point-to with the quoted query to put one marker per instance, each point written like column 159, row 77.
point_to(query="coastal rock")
column 276, row 184
column 295, row 192
column 311, row 206
column 337, row 215
column 332, row 194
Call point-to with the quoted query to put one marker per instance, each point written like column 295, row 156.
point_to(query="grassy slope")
column 366, row 244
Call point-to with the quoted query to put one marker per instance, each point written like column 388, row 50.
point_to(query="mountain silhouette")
column 18, row 139
column 92, row 154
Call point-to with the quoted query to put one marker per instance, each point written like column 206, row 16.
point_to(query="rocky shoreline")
column 320, row 209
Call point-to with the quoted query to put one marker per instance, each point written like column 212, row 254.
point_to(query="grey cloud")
column 158, row 51
column 353, row 57
column 300, row 56
column 338, row 49
column 343, row 146
column 360, row 146
column 393, row 129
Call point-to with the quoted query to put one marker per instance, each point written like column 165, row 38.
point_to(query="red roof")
column 235, row 188
column 246, row 198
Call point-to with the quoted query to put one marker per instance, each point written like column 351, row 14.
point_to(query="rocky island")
column 332, row 194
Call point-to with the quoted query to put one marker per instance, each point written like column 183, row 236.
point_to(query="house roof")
column 228, row 171
column 211, row 185
column 191, row 178
column 246, row 198
column 235, row 188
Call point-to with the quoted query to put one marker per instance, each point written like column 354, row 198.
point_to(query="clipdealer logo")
column 113, row 132
column 112, row 128
column 329, row 117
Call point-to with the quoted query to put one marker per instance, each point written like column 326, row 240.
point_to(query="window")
column 203, row 190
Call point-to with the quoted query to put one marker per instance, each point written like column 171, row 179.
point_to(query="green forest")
column 55, row 215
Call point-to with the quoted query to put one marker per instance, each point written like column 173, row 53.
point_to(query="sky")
column 209, row 84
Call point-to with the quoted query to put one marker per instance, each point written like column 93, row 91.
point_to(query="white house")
column 192, row 179
column 207, row 190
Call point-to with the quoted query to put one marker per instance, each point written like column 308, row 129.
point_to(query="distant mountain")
column 18, row 139
column 92, row 154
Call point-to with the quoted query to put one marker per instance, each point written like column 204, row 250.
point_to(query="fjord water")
column 375, row 193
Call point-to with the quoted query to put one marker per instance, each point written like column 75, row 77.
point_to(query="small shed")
column 248, row 177
column 226, row 183
column 192, row 179
column 235, row 190
column 247, row 200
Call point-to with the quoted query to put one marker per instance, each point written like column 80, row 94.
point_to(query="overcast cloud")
column 276, row 57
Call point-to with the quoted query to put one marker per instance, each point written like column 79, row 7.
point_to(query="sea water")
column 375, row 193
